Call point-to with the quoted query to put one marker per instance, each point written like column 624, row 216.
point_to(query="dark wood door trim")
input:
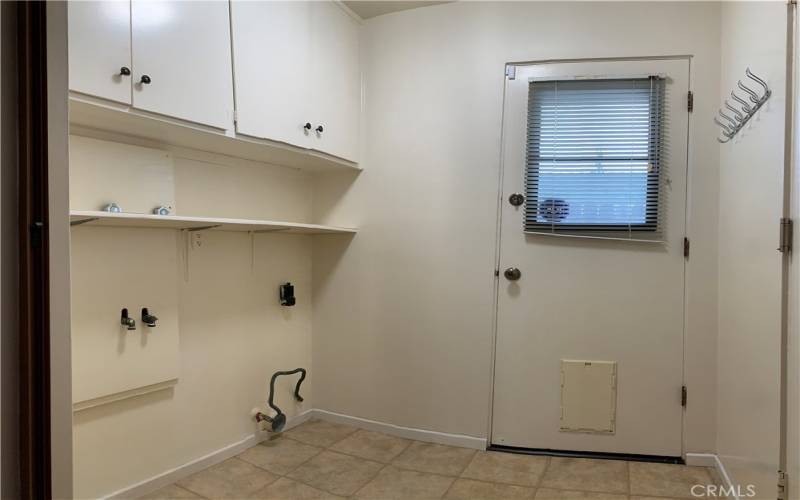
column 35, row 468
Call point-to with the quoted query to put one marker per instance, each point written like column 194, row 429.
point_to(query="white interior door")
column 614, row 306
column 100, row 49
column 183, row 49
column 271, row 45
column 335, row 81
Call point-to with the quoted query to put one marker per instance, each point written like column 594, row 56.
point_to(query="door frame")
column 498, row 236
column 788, row 273
column 34, row 250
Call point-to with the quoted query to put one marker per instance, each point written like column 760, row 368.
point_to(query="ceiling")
column 368, row 9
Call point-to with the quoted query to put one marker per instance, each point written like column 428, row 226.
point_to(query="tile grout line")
column 628, row 468
column 276, row 473
column 365, row 458
column 355, row 493
column 450, row 486
column 191, row 490
column 328, row 448
column 321, row 449
column 498, row 483
column 187, row 489
column 544, row 473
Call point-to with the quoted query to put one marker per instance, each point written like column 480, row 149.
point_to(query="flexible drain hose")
column 279, row 420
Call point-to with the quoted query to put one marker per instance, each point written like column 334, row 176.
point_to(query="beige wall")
column 403, row 318
column 751, row 173
column 233, row 334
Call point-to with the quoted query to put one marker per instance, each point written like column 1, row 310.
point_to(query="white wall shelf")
column 100, row 218
column 94, row 117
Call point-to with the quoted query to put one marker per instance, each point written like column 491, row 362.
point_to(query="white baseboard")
column 701, row 459
column 713, row 461
column 403, row 432
column 727, row 483
column 166, row 478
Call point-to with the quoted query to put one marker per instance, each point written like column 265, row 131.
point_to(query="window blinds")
column 594, row 157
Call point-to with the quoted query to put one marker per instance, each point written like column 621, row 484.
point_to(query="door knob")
column 512, row 274
column 125, row 71
column 516, row 199
column 307, row 126
column 145, row 80
column 319, row 129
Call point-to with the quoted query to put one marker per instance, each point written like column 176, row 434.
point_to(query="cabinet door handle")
column 145, row 80
column 307, row 126
column 125, row 71
column 319, row 129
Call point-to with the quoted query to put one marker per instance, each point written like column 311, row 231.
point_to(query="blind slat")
column 594, row 161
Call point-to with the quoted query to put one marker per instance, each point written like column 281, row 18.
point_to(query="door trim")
column 498, row 228
column 786, row 257
column 34, row 253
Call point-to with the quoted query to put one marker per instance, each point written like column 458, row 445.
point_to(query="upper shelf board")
column 95, row 117
column 100, row 218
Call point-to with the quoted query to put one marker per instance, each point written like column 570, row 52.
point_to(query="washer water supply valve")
column 279, row 420
column 148, row 319
column 126, row 320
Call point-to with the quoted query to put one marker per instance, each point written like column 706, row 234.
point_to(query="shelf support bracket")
column 203, row 228
column 83, row 221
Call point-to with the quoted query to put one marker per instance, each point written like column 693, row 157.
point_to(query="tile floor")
column 323, row 460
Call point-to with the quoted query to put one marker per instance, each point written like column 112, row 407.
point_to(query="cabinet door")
column 183, row 48
column 99, row 47
column 271, row 43
column 335, row 80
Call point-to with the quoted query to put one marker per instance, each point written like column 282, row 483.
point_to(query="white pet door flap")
column 588, row 396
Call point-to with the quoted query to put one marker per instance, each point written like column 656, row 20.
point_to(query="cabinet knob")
column 319, row 129
column 145, row 80
column 307, row 126
column 125, row 71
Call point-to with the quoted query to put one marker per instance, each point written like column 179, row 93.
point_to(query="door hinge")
column 690, row 101
column 684, row 394
column 511, row 72
column 786, row 235
column 686, row 246
column 782, row 480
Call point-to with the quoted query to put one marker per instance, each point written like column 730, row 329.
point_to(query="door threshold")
column 631, row 457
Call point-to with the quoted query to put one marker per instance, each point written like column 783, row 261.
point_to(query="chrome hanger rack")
column 745, row 110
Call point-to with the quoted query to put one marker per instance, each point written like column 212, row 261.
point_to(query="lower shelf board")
column 101, row 218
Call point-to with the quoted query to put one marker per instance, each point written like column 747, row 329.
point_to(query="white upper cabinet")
column 297, row 76
column 100, row 49
column 335, row 81
column 182, row 60
column 294, row 66
column 271, row 47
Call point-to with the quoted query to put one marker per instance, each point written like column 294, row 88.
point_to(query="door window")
column 594, row 157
